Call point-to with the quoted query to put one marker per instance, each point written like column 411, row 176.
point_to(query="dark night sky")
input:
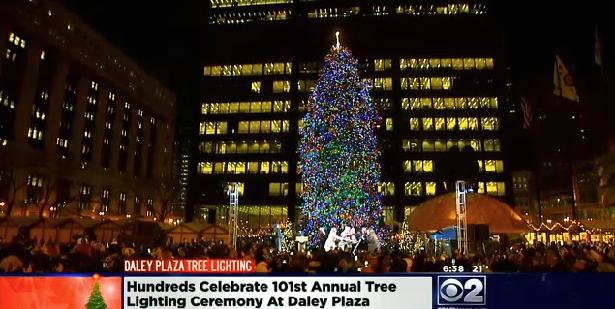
column 163, row 37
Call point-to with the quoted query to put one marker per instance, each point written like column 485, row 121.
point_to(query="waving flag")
column 564, row 86
column 526, row 108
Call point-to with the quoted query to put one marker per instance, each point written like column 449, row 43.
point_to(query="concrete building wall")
column 51, row 38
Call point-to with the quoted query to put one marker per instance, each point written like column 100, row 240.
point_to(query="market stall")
column 216, row 232
column 184, row 231
column 15, row 226
column 71, row 228
column 44, row 229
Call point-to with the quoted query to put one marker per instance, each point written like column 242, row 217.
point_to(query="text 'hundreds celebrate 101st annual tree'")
column 339, row 152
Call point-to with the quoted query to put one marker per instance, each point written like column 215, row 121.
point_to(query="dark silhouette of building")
column 436, row 73
column 83, row 130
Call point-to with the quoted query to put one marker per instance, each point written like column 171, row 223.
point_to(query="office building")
column 435, row 71
column 524, row 194
column 83, row 130
column 566, row 134
column 181, row 168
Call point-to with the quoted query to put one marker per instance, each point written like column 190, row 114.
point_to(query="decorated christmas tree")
column 339, row 155
column 406, row 241
column 288, row 242
column 96, row 301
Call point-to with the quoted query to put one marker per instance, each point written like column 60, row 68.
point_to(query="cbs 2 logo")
column 451, row 290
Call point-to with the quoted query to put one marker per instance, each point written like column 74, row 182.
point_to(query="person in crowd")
column 83, row 255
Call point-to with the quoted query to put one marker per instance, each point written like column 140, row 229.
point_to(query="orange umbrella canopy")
column 441, row 212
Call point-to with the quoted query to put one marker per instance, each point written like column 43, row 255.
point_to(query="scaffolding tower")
column 233, row 192
column 462, row 221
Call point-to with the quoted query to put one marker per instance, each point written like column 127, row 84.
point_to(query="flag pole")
column 561, row 80
column 537, row 177
column 568, row 158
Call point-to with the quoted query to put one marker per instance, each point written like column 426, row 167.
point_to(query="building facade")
column 525, row 195
column 83, row 130
column 435, row 72
column 181, row 168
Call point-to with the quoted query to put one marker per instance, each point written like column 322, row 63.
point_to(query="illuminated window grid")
column 443, row 145
column 280, row 106
column 263, row 126
column 249, row 69
column 416, row 188
column 491, row 166
column 446, row 63
column 278, row 189
column 239, row 18
column 210, row 128
column 232, row 3
column 426, row 83
column 492, row 188
column 386, row 188
column 333, row 12
column 254, row 217
column 450, row 103
column 252, row 167
column 240, row 147
column 419, row 166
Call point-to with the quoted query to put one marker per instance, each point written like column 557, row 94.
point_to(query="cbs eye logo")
column 461, row 290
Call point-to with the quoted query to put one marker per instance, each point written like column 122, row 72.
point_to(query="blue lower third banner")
column 416, row 291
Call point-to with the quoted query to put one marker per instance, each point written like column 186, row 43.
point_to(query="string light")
column 288, row 242
column 406, row 241
column 573, row 223
column 339, row 155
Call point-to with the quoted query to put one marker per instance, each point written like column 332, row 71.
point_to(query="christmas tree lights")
column 288, row 242
column 406, row 240
column 339, row 154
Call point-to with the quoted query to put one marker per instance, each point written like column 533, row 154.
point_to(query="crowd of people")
column 33, row 256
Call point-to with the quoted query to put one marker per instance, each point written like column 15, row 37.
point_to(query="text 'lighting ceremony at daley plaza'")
column 373, row 154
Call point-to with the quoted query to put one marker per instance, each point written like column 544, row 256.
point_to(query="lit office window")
column 490, row 123
column 415, row 124
column 256, row 87
column 413, row 189
column 492, row 166
column 205, row 167
column 386, row 188
column 382, row 64
column 427, row 124
column 440, row 124
column 492, row 145
column 430, row 188
column 493, row 188
column 281, row 86
column 411, row 145
column 389, row 124
column 383, row 83
column 278, row 189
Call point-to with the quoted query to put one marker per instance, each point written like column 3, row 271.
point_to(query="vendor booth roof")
column 440, row 212
column 599, row 224
column 22, row 221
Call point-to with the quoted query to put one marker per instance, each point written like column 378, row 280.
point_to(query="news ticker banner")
column 433, row 291
column 279, row 292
